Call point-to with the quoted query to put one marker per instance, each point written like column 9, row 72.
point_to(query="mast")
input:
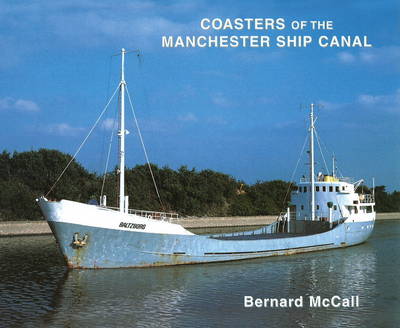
column 333, row 165
column 312, row 162
column 122, row 136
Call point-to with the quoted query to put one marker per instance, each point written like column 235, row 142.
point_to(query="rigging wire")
column 144, row 148
column 108, row 154
column 327, row 170
column 295, row 169
column 326, row 150
column 109, row 75
column 107, row 94
column 143, row 78
column 320, row 150
column 83, row 142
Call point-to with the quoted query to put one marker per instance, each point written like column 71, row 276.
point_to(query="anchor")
column 79, row 242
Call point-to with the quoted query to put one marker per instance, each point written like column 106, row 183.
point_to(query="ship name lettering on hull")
column 132, row 225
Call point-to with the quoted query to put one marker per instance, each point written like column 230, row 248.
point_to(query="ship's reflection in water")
column 212, row 294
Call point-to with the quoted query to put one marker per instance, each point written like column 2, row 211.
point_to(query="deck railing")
column 165, row 216
column 154, row 215
column 283, row 216
column 341, row 179
column 367, row 198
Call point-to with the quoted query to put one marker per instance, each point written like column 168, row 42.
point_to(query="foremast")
column 123, row 203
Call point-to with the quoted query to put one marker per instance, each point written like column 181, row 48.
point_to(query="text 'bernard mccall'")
column 301, row 301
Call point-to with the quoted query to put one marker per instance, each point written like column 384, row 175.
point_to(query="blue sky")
column 239, row 111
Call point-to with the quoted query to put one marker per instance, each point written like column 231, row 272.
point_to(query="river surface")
column 36, row 290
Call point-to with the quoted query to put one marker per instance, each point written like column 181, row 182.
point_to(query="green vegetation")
column 27, row 175
column 385, row 202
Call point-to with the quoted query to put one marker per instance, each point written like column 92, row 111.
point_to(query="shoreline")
column 32, row 228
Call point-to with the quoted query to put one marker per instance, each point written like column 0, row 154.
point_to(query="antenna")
column 373, row 188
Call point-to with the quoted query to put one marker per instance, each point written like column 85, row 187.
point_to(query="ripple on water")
column 36, row 289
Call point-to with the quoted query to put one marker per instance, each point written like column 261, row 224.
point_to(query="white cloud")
column 109, row 124
column 330, row 105
column 22, row 105
column 26, row 105
column 388, row 55
column 346, row 57
column 136, row 24
column 385, row 56
column 367, row 99
column 188, row 117
column 221, row 100
column 64, row 130
column 388, row 102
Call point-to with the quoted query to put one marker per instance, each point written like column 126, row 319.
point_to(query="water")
column 37, row 290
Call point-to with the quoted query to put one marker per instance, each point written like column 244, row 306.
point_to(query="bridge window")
column 305, row 189
column 343, row 188
column 323, row 188
column 300, row 189
column 317, row 188
column 337, row 189
column 330, row 188
column 317, row 207
column 366, row 209
column 334, row 207
column 352, row 209
column 302, row 207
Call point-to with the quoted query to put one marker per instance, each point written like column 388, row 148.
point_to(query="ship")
column 326, row 211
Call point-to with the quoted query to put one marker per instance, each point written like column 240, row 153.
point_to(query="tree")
column 27, row 175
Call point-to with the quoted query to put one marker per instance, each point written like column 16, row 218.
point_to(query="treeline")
column 27, row 175
column 384, row 201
